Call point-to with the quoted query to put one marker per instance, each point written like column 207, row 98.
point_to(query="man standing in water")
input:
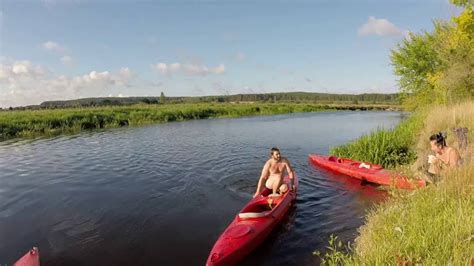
column 272, row 174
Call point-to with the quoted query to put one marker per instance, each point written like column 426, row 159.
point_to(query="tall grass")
column 433, row 226
column 430, row 226
column 387, row 147
column 445, row 118
column 57, row 121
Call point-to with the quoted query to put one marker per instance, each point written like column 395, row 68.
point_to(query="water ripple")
column 149, row 195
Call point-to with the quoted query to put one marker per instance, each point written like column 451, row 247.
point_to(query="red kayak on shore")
column 372, row 173
column 251, row 226
column 31, row 258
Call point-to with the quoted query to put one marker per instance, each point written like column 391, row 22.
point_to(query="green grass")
column 52, row 122
column 429, row 226
column 387, row 147
column 432, row 226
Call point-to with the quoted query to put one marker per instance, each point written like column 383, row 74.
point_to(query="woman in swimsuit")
column 445, row 156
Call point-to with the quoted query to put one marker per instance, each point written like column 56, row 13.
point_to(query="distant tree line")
column 308, row 97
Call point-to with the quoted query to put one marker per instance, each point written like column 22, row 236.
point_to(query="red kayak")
column 31, row 258
column 251, row 226
column 372, row 173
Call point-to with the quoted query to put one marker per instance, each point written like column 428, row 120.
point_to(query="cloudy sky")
column 54, row 50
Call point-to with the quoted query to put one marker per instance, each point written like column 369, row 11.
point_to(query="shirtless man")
column 272, row 174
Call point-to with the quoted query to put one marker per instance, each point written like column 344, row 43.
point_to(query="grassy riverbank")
column 433, row 225
column 387, row 147
column 50, row 122
column 430, row 226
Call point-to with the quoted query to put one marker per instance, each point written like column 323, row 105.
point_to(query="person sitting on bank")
column 272, row 174
column 445, row 156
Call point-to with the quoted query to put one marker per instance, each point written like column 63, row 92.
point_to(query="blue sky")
column 53, row 50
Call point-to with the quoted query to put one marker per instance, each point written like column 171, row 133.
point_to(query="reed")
column 30, row 123
column 387, row 147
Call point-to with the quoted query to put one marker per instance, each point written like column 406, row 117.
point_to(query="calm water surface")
column 162, row 194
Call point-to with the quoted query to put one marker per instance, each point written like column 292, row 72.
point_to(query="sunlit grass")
column 433, row 226
column 445, row 118
column 430, row 226
column 387, row 147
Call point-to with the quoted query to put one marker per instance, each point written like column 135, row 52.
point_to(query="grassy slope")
column 431, row 226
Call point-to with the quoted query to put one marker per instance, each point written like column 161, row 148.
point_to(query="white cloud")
column 381, row 27
column 125, row 75
column 58, row 49
column 53, row 46
column 165, row 69
column 125, row 72
column 20, row 69
column 187, row 69
column 67, row 60
column 120, row 95
column 23, row 83
column 161, row 68
column 220, row 69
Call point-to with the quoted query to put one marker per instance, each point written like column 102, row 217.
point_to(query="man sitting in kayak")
column 272, row 174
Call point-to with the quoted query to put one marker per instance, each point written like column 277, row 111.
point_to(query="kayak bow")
column 31, row 258
column 251, row 226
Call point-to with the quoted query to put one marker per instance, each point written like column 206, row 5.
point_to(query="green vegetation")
column 430, row 226
column 284, row 97
column 337, row 252
column 434, row 68
column 438, row 67
column 56, row 121
column 434, row 225
column 387, row 147
column 162, row 98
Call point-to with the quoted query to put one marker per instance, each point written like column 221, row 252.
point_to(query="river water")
column 162, row 194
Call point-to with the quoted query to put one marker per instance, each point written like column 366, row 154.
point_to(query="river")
column 162, row 194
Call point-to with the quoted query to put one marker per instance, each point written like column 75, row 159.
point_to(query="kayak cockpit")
column 353, row 163
column 260, row 208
